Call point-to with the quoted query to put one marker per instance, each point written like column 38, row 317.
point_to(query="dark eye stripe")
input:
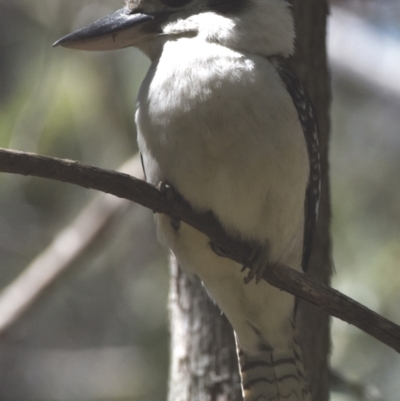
column 176, row 3
column 227, row 6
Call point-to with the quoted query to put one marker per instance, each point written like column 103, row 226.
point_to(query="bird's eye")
column 176, row 3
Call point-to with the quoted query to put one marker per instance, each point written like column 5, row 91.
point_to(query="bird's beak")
column 115, row 31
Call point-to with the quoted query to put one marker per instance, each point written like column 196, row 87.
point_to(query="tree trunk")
column 203, row 357
column 310, row 65
column 204, row 364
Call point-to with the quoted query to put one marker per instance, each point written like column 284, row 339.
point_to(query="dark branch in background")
column 125, row 186
column 20, row 295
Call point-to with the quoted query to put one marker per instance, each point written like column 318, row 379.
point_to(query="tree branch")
column 125, row 186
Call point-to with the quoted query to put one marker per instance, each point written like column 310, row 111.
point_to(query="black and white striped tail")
column 273, row 375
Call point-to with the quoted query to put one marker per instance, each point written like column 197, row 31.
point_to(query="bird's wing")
column 306, row 115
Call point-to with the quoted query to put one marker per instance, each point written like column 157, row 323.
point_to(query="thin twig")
column 125, row 186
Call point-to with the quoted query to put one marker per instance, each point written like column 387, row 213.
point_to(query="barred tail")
column 273, row 375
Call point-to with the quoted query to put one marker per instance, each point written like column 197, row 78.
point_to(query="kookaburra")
column 222, row 119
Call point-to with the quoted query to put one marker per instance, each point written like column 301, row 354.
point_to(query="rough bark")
column 204, row 365
column 202, row 342
column 310, row 64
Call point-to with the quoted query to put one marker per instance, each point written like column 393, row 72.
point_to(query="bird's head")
column 262, row 27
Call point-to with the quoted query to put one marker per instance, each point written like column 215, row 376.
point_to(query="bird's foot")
column 257, row 262
column 169, row 194
column 218, row 249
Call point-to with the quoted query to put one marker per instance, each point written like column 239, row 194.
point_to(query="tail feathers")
column 273, row 375
column 300, row 366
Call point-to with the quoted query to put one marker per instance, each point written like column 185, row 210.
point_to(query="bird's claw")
column 218, row 249
column 257, row 263
column 257, row 260
column 169, row 194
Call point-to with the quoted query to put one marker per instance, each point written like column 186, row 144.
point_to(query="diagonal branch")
column 125, row 186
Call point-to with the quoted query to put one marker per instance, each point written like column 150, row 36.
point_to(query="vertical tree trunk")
column 203, row 356
column 310, row 64
column 204, row 364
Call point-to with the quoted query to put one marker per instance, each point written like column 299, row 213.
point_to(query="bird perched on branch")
column 223, row 121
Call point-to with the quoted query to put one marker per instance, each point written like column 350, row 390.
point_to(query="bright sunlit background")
column 100, row 331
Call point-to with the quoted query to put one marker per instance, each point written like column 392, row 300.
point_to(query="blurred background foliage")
column 100, row 331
